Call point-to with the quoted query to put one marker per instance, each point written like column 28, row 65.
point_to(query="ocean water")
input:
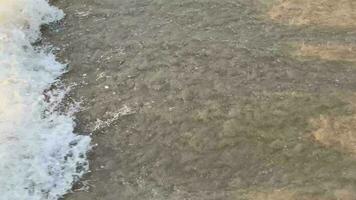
column 40, row 156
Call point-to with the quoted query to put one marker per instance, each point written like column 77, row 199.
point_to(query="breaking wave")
column 40, row 156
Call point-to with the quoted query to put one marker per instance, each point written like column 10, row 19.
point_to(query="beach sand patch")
column 337, row 131
column 329, row 13
column 285, row 194
column 329, row 52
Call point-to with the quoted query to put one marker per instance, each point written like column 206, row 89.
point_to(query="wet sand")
column 213, row 99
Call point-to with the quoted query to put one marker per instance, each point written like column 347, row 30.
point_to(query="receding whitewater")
column 39, row 153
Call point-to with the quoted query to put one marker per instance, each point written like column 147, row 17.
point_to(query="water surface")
column 208, row 99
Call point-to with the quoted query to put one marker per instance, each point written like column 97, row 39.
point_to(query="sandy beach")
column 213, row 99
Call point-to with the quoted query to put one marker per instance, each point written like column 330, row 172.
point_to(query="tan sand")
column 328, row 52
column 329, row 13
column 284, row 194
column 337, row 131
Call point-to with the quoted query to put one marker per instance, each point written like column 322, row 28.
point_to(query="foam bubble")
column 40, row 155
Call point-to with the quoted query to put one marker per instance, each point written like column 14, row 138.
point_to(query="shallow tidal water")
column 213, row 99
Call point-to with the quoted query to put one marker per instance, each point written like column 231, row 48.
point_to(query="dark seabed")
column 214, row 99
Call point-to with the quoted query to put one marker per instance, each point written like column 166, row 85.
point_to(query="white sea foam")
column 40, row 156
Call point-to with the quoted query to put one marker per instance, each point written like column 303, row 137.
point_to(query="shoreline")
column 40, row 154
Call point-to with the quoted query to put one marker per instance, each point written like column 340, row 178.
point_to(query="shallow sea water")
column 214, row 99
